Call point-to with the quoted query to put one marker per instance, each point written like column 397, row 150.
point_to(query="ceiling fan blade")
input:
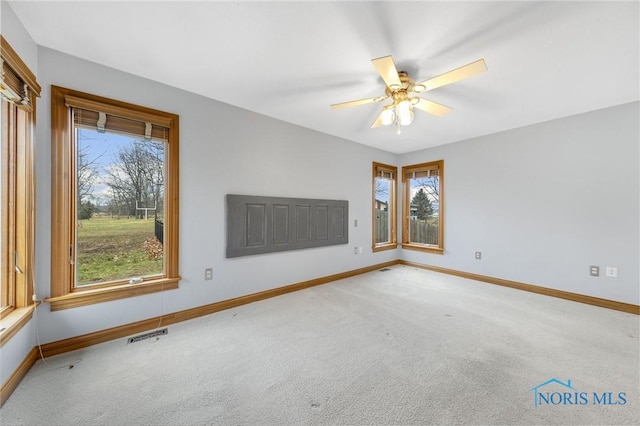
column 359, row 102
column 378, row 121
column 432, row 107
column 458, row 74
column 387, row 70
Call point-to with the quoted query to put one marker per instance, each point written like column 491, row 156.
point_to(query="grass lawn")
column 113, row 249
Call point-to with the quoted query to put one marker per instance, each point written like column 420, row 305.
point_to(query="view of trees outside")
column 425, row 207
column 422, row 205
column 120, row 198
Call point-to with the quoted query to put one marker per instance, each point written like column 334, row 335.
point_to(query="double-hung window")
column 423, row 207
column 18, row 92
column 384, row 207
column 114, row 199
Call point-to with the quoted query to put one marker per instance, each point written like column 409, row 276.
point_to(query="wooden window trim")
column 393, row 244
column 13, row 60
column 63, row 293
column 406, row 199
column 12, row 323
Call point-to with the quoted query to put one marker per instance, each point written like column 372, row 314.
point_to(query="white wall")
column 16, row 349
column 544, row 202
column 17, row 36
column 223, row 150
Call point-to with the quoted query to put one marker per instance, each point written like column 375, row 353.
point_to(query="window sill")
column 383, row 247
column 14, row 321
column 106, row 294
column 423, row 248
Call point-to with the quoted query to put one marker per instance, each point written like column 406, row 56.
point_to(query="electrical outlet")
column 208, row 274
column 355, row 223
column 612, row 272
column 594, row 271
column 478, row 255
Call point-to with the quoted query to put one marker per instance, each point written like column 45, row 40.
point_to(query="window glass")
column 424, row 210
column 422, row 224
column 384, row 206
column 119, row 206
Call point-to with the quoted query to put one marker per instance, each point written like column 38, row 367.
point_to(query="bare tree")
column 87, row 173
column 137, row 175
column 154, row 172
column 431, row 186
column 381, row 189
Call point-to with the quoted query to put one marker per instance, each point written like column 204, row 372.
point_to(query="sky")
column 101, row 149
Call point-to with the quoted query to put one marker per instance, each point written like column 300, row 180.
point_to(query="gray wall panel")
column 303, row 222
column 322, row 222
column 340, row 216
column 258, row 225
column 281, row 224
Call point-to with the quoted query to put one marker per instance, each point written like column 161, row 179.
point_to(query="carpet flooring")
column 403, row 346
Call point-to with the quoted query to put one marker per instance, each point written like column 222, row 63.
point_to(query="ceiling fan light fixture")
column 405, row 113
column 388, row 116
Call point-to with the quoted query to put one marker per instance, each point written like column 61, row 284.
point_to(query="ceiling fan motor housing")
column 406, row 85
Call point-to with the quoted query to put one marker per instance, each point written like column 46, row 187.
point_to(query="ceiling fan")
column 400, row 88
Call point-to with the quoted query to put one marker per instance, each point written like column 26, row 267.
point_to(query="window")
column 114, row 200
column 18, row 91
column 423, row 207
column 384, row 207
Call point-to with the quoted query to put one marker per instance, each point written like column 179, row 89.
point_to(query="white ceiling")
column 291, row 60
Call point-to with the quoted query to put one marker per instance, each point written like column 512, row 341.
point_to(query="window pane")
column 119, row 206
column 424, row 210
column 383, row 188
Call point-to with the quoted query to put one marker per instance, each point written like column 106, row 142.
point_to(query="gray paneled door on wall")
column 259, row 224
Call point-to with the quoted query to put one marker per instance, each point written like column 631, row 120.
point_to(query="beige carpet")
column 405, row 346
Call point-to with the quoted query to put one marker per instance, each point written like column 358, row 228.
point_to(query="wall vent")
column 148, row 335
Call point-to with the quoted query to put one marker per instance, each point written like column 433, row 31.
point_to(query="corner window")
column 384, row 207
column 18, row 92
column 423, row 206
column 115, row 203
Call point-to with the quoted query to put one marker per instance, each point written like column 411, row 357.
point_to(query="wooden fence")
column 382, row 226
column 420, row 231
column 423, row 232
